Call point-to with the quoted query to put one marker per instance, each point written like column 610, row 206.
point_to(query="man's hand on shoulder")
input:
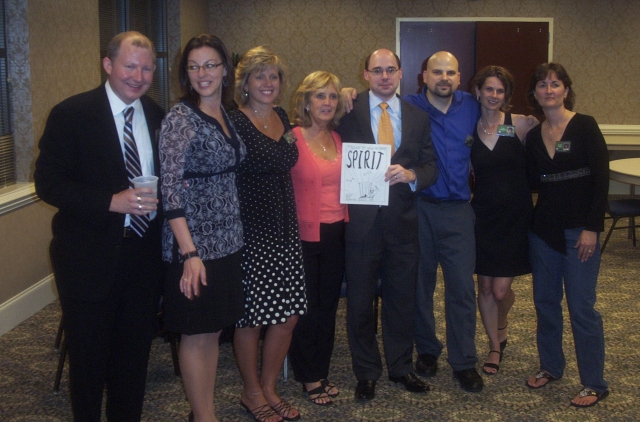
column 348, row 95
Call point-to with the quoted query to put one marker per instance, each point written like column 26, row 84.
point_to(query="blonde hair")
column 137, row 40
column 256, row 60
column 313, row 83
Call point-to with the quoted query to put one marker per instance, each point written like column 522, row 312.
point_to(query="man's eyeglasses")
column 208, row 67
column 378, row 71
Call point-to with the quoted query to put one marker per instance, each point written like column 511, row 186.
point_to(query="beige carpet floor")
column 28, row 362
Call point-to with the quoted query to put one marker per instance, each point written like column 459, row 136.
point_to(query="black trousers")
column 397, row 266
column 313, row 338
column 109, row 340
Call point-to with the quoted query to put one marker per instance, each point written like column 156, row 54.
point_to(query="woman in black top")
column 568, row 163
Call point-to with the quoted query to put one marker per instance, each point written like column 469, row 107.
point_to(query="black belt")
column 565, row 175
column 430, row 199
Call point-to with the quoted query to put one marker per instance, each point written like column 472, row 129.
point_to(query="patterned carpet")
column 28, row 363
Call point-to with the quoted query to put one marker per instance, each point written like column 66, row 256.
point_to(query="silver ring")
column 138, row 199
column 139, row 207
column 589, row 250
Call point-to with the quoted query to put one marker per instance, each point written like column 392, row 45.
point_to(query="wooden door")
column 419, row 40
column 517, row 46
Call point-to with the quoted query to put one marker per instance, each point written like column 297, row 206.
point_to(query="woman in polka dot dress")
column 273, row 273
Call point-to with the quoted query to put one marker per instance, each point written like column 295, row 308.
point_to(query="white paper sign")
column 363, row 168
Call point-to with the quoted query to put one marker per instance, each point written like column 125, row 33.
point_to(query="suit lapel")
column 108, row 131
column 363, row 116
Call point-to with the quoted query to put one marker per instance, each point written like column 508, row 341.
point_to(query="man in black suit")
column 107, row 270
column 382, row 241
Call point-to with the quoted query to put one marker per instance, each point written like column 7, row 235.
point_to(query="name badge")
column 468, row 141
column 506, row 130
column 563, row 146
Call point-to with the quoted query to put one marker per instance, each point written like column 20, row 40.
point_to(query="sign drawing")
column 363, row 169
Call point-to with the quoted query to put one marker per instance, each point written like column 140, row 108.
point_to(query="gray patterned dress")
column 198, row 163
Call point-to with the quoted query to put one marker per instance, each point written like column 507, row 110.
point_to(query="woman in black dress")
column 273, row 273
column 202, row 237
column 502, row 204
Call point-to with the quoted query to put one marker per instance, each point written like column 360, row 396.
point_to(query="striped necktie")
column 139, row 223
column 385, row 130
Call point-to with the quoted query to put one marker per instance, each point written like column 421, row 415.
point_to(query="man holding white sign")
column 382, row 241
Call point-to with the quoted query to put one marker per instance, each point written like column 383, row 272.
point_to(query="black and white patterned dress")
column 197, row 165
column 273, row 273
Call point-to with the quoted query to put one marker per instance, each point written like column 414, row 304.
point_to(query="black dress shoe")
column 427, row 365
column 412, row 383
column 470, row 380
column 365, row 390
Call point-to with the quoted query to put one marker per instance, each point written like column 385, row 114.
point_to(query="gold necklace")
column 318, row 142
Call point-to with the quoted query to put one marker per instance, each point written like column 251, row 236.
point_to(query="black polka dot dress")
column 273, row 273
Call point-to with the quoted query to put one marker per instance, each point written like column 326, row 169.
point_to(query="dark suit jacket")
column 79, row 168
column 400, row 219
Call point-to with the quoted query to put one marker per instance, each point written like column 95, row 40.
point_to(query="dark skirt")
column 220, row 304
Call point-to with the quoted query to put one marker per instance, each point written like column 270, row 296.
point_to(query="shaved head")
column 441, row 77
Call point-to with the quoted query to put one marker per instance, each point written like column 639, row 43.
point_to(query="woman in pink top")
column 321, row 216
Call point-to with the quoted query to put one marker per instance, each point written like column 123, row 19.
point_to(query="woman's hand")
column 586, row 244
column 193, row 274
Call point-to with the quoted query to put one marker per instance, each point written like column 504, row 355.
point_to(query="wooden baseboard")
column 27, row 303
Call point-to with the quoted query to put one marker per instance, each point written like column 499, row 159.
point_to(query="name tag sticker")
column 563, row 146
column 468, row 141
column 506, row 130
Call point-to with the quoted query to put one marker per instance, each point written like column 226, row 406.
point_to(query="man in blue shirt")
column 446, row 225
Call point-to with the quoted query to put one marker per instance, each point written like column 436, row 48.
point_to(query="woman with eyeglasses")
column 568, row 163
column 202, row 237
column 273, row 273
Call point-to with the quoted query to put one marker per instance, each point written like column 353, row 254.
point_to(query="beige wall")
column 24, row 250
column 194, row 19
column 63, row 58
column 64, row 47
column 597, row 40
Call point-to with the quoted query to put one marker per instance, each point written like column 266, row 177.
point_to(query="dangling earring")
column 246, row 94
column 225, row 83
column 306, row 109
column 478, row 98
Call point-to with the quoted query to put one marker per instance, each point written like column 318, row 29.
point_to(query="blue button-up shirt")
column 452, row 136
